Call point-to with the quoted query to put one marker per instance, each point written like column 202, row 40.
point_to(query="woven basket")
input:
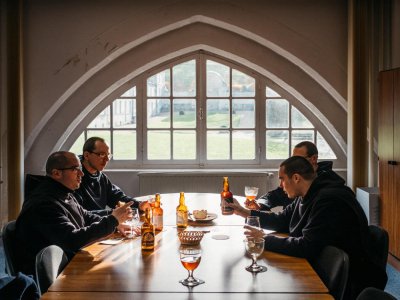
column 190, row 237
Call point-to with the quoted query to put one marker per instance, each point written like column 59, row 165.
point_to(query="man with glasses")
column 52, row 216
column 278, row 197
column 97, row 193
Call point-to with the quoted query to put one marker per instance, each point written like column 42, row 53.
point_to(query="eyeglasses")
column 103, row 155
column 73, row 168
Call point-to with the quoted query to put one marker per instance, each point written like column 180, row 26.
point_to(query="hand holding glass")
column 254, row 247
column 190, row 259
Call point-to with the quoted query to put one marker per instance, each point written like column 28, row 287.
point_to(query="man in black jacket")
column 97, row 193
column 52, row 216
column 278, row 197
column 324, row 212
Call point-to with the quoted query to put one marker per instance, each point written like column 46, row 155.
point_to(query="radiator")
column 191, row 182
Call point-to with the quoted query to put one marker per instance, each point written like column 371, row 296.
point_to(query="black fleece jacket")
column 98, row 194
column 329, row 214
column 52, row 216
column 278, row 197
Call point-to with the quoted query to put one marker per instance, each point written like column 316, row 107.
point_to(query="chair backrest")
column 332, row 266
column 380, row 244
column 372, row 293
column 9, row 244
column 50, row 261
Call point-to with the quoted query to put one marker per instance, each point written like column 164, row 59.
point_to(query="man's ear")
column 296, row 177
column 56, row 173
column 85, row 155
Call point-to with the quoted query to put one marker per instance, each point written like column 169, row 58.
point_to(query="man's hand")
column 251, row 204
column 254, row 232
column 123, row 213
column 238, row 209
column 143, row 205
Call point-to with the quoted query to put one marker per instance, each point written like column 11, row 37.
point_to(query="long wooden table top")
column 100, row 271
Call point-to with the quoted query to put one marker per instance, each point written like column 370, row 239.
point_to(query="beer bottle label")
column 148, row 239
column 158, row 222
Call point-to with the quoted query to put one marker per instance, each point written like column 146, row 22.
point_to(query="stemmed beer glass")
column 253, row 221
column 190, row 259
column 254, row 246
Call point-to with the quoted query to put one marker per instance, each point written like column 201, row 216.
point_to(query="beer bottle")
column 227, row 196
column 182, row 212
column 148, row 231
column 158, row 214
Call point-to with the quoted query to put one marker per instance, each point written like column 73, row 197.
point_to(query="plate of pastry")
column 202, row 215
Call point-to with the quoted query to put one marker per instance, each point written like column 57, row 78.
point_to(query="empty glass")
column 253, row 221
column 132, row 223
column 254, row 247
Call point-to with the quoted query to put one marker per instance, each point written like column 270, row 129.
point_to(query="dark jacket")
column 329, row 214
column 278, row 197
column 52, row 216
column 97, row 193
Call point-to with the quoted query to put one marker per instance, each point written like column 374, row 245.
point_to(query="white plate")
column 209, row 218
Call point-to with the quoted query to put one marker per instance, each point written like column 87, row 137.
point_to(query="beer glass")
column 190, row 259
column 251, row 192
column 132, row 223
column 254, row 247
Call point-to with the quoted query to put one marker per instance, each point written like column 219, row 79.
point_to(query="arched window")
column 202, row 111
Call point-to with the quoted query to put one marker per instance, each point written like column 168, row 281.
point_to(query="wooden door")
column 385, row 150
column 395, row 245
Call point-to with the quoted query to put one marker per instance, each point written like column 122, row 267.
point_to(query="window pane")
column 277, row 113
column 184, row 113
column 243, row 113
column 218, row 83
column 78, row 145
column 105, row 134
column 124, row 144
column 218, row 113
column 277, row 144
column 184, row 144
column 124, row 113
column 130, row 93
column 159, row 85
column 242, row 84
column 324, row 150
column 102, row 120
column 184, row 79
column 243, row 144
column 271, row 93
column 218, row 144
column 158, row 144
column 302, row 135
column 299, row 120
column 158, row 113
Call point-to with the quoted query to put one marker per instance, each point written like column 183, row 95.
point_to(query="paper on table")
column 112, row 241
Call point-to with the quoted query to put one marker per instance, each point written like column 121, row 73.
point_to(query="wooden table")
column 122, row 271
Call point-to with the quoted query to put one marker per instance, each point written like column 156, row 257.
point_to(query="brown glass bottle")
column 158, row 214
column 148, row 231
column 227, row 196
column 182, row 213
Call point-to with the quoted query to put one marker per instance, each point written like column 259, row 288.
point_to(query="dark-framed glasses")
column 73, row 168
column 103, row 155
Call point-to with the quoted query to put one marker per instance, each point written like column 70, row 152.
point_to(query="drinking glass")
column 251, row 192
column 190, row 259
column 254, row 247
column 132, row 223
column 253, row 221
